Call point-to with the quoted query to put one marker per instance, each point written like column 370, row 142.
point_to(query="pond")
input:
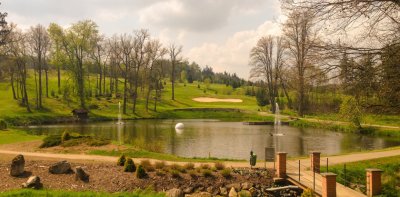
column 204, row 138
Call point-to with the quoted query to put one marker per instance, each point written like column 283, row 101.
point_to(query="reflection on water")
column 222, row 139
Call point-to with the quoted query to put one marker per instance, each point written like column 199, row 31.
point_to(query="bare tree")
column 115, row 54
column 266, row 62
column 174, row 52
column 301, row 37
column 39, row 43
column 126, row 46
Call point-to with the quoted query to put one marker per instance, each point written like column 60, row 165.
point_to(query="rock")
column 188, row 190
column 81, row 174
column 62, row 167
column 232, row 192
column 253, row 191
column 17, row 166
column 175, row 192
column 33, row 182
column 244, row 193
column 246, row 185
column 201, row 194
column 223, row 191
column 235, row 185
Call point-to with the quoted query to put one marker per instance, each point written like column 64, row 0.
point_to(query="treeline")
column 127, row 66
column 313, row 69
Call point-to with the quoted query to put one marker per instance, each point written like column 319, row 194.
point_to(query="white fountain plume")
column 119, row 114
column 277, row 122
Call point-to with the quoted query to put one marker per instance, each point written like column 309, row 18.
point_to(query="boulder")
column 17, row 166
column 175, row 192
column 223, row 191
column 201, row 194
column 234, row 185
column 188, row 190
column 62, row 167
column 80, row 174
column 244, row 193
column 232, row 192
column 246, row 185
column 33, row 183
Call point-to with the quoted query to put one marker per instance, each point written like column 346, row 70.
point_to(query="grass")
column 356, row 174
column 14, row 135
column 73, row 140
column 60, row 193
column 153, row 155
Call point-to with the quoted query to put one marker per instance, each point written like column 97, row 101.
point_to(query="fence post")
column 374, row 184
column 315, row 161
column 299, row 170
column 281, row 167
column 328, row 184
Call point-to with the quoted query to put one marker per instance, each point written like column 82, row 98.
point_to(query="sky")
column 217, row 33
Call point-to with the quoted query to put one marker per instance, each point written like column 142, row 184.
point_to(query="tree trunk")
column 125, row 88
column 47, row 82
column 173, row 80
column 59, row 79
column 12, row 86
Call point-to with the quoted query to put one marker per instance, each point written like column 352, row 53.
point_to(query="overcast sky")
column 218, row 33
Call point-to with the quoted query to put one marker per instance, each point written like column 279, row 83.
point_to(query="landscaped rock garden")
column 187, row 179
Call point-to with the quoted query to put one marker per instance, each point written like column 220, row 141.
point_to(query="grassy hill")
column 57, row 108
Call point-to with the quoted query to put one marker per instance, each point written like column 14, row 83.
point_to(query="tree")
column 266, row 62
column 126, row 45
column 78, row 41
column 301, row 38
column 56, row 35
column 39, row 41
column 174, row 52
column 390, row 89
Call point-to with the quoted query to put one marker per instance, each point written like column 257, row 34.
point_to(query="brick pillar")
column 315, row 161
column 328, row 184
column 374, row 185
column 281, row 169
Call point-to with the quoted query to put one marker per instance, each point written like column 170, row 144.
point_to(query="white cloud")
column 233, row 54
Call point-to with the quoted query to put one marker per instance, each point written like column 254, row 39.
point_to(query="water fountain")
column 119, row 114
column 277, row 122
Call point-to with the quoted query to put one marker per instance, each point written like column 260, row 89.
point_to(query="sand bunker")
column 211, row 100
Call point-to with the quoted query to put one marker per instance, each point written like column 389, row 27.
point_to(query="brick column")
column 281, row 169
column 315, row 161
column 328, row 184
column 374, row 184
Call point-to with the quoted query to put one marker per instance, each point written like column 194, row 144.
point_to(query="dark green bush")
column 129, row 165
column 50, row 141
column 140, row 172
column 207, row 173
column 121, row 160
column 226, row 172
column 3, row 124
column 65, row 137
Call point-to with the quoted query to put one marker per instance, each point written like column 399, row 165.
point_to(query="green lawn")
column 59, row 193
column 13, row 136
column 356, row 174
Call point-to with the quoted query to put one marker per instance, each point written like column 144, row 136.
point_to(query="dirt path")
column 332, row 159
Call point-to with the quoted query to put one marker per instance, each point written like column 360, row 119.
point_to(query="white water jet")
column 277, row 115
column 119, row 114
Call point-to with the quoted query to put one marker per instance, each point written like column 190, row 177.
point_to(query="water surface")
column 203, row 138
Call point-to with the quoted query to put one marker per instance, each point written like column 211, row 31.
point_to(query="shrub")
column 207, row 173
column 159, row 165
column 189, row 166
column 129, row 165
column 121, row 160
column 243, row 194
column 97, row 142
column 219, row 166
column 192, row 173
column 175, row 167
column 140, row 172
column 50, row 141
column 65, row 137
column 160, row 173
column 307, row 193
column 147, row 165
column 175, row 174
column 3, row 124
column 226, row 172
column 205, row 166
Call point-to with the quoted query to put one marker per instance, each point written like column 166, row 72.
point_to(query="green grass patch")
column 13, row 136
column 73, row 140
column 60, row 193
column 153, row 155
column 356, row 174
